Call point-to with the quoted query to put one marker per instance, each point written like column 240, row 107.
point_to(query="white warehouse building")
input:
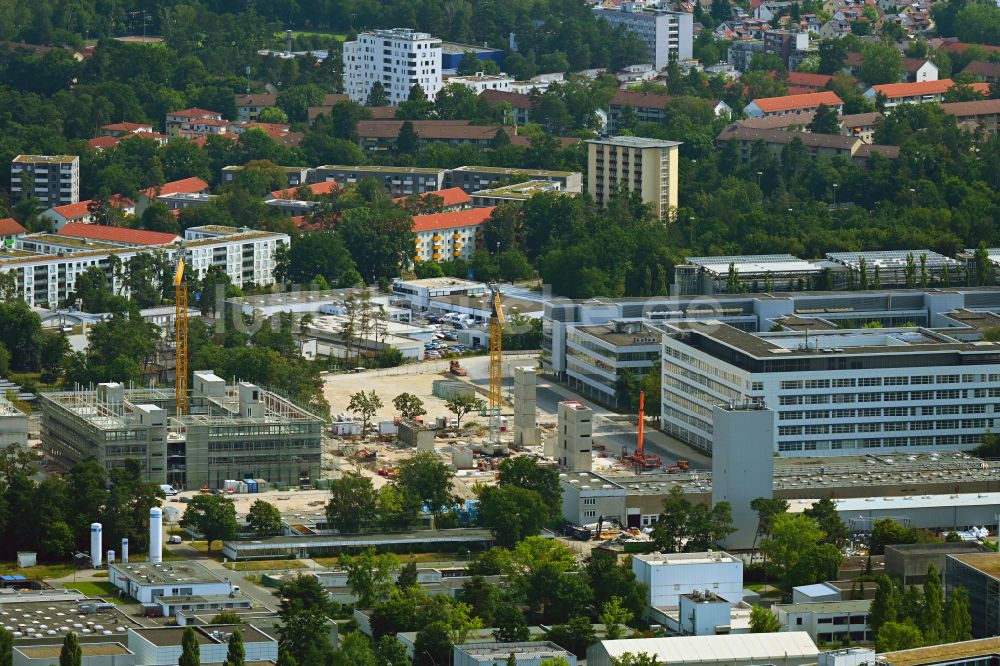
column 398, row 59
column 834, row 392
column 670, row 575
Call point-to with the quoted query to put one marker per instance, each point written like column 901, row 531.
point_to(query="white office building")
column 397, row 58
column 670, row 575
column 836, row 391
column 781, row 649
column 664, row 32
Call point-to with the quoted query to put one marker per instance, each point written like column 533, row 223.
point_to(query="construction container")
column 387, row 428
column 251, row 485
column 231, row 485
column 261, row 485
column 241, row 487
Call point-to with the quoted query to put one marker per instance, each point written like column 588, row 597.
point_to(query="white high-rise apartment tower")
column 398, row 58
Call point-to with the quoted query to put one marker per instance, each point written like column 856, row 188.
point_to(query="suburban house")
column 188, row 118
column 248, row 107
column 60, row 216
column 448, row 236
column 776, row 106
column 184, row 186
column 916, row 93
column 10, row 230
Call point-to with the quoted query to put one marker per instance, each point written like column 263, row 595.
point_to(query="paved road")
column 261, row 596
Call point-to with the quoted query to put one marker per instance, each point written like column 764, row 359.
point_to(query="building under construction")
column 228, row 432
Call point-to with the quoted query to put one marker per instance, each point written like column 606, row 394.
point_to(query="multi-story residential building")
column 52, row 179
column 818, row 145
column 480, row 82
column 398, row 59
column 834, row 392
column 380, row 136
column 175, row 120
column 648, row 107
column 10, row 231
column 514, row 194
column 398, row 181
column 984, row 112
column 646, row 166
column 476, row 178
column 231, row 432
column 147, row 196
column 665, row 33
column 46, row 266
column 789, row 45
column 294, row 176
column 777, row 106
column 520, row 104
column 449, row 236
column 249, row 106
column 922, row 92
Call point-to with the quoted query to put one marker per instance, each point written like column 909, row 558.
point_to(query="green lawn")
column 265, row 565
column 40, row 572
column 300, row 33
column 104, row 590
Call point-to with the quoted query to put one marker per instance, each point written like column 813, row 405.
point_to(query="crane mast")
column 496, row 363
column 181, row 339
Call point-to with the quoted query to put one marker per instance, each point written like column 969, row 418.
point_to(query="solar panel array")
column 754, row 263
column 891, row 258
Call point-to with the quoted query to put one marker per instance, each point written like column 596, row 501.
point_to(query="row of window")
column 870, row 412
column 885, row 442
column 895, row 426
column 894, row 396
column 850, row 382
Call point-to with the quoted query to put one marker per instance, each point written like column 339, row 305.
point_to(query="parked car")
column 174, row 538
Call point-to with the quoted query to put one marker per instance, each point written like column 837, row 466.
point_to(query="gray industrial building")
column 979, row 573
column 909, row 562
column 229, row 432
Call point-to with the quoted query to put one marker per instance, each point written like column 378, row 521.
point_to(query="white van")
column 168, row 490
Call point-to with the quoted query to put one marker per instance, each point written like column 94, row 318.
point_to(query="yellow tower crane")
column 496, row 363
column 181, row 339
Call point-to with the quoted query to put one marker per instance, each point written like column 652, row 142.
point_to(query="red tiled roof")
column 318, row 189
column 981, row 68
column 807, row 80
column 978, row 107
column 185, row 186
column 959, row 47
column 984, row 88
column 516, row 100
column 458, row 218
column 790, row 102
column 116, row 234
column 126, row 127
column 82, row 208
column 193, row 113
column 104, row 142
column 894, row 90
column 453, row 196
column 9, row 226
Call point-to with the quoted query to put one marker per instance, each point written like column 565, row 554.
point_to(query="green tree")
column 190, row 650
column 236, row 655
column 885, row 605
column 427, row 479
column 432, row 645
column 932, row 621
column 304, row 612
column 6, row 648
column 608, row 579
column 397, row 510
column 796, row 551
column 629, row 659
column 766, row 509
column 369, row 575
column 882, row 63
column 982, row 258
column 510, row 625
column 365, row 405
column 352, row 502
column 683, row 526
column 898, row 636
column 390, row 651
column 512, row 513
column 613, row 615
column 525, row 472
column 462, row 404
column 408, row 405
column 408, row 141
column 321, row 253
column 264, row 518
column 71, row 654
column 824, row 512
column 957, row 621
column 763, row 621
column 377, row 95
column 825, row 121
column 575, row 636
column 212, row 516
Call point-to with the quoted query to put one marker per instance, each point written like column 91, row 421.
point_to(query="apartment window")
column 590, row 500
column 843, row 383
column 757, row 386
column 870, row 381
column 791, row 384
column 590, row 514
column 897, row 381
column 817, row 383
column 869, row 412
column 789, row 416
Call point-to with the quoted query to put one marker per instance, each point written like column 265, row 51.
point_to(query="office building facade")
column 53, row 179
column 398, row 59
column 646, row 166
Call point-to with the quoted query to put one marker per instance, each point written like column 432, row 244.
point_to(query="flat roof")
column 646, row 335
column 851, row 606
column 440, row 283
column 531, row 650
column 726, row 648
column 987, row 563
column 891, row 258
column 903, row 502
column 37, row 159
column 754, row 264
column 385, row 169
column 656, row 559
column 206, row 635
column 332, row 541
column 511, row 170
column 521, row 190
column 635, row 142
column 147, row 573
column 88, row 650
column 963, row 651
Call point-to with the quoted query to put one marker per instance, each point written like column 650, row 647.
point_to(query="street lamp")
column 759, row 174
column 835, row 186
column 691, row 219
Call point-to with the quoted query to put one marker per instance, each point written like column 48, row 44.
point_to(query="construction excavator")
column 641, row 459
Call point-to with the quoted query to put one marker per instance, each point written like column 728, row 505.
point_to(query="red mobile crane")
column 640, row 458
